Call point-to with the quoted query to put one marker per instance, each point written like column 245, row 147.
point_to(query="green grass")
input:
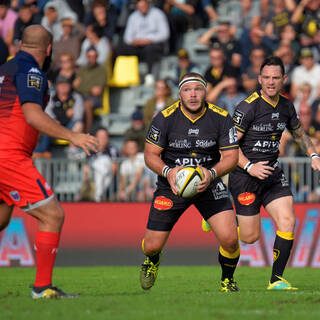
column 180, row 293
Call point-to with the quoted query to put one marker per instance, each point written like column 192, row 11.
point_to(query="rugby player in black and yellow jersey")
column 258, row 180
column 191, row 132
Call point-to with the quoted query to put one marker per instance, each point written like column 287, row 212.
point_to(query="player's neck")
column 36, row 53
column 271, row 100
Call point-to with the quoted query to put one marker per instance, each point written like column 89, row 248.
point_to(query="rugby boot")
column 281, row 284
column 148, row 273
column 51, row 292
column 229, row 285
column 205, row 226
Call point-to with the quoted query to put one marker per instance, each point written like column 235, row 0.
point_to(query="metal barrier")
column 66, row 178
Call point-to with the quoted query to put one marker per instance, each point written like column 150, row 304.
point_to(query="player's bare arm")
column 260, row 169
column 152, row 158
column 39, row 120
column 307, row 146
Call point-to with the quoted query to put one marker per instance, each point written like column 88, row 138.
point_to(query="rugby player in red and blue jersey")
column 23, row 98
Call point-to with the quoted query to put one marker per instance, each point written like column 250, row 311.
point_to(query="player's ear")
column 285, row 78
column 259, row 78
column 49, row 50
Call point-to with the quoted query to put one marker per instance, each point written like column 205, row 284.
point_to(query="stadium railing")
column 66, row 178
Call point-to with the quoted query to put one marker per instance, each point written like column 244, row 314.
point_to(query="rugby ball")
column 187, row 180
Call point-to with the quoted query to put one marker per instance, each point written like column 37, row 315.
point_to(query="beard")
column 47, row 63
column 193, row 111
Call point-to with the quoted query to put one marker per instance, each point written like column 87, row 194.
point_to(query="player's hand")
column 315, row 163
column 171, row 177
column 261, row 170
column 85, row 141
column 204, row 184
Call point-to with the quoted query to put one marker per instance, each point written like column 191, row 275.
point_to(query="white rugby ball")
column 187, row 180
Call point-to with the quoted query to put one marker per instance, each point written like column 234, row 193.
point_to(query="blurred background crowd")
column 116, row 63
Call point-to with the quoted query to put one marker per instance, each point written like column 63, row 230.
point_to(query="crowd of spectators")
column 236, row 35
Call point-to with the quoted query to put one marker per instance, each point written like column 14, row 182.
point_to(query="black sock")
column 228, row 265
column 281, row 252
column 155, row 258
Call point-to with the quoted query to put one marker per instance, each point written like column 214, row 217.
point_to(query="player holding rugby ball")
column 191, row 132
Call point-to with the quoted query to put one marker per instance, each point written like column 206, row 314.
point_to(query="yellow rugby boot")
column 281, row 284
column 205, row 226
column 229, row 285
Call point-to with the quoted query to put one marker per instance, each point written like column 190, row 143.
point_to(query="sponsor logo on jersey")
column 34, row 70
column 237, row 117
column 180, row 144
column 267, row 144
column 15, row 195
column 34, row 81
column 162, row 203
column 217, row 109
column 193, row 161
column 154, row 134
column 275, row 116
column 251, row 98
column 281, row 126
column 47, row 186
column 193, row 132
column 205, row 143
column 246, row 198
column 262, row 127
column 168, row 111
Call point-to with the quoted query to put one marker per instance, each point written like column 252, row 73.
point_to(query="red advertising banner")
column 122, row 225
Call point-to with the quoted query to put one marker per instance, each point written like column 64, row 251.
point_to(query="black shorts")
column 250, row 193
column 166, row 208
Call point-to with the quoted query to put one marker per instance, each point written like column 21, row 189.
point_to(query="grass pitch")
column 179, row 293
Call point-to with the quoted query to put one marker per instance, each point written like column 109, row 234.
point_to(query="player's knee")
column 55, row 217
column 151, row 247
column 231, row 244
column 287, row 223
column 250, row 238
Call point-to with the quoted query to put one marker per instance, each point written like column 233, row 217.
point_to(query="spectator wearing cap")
column 185, row 65
column 307, row 72
column 222, row 35
column 145, row 36
column 71, row 39
column 90, row 82
column 137, row 130
column 94, row 38
column 8, row 18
